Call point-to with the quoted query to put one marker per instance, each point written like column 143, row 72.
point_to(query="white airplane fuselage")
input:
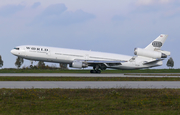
column 63, row 55
column 150, row 56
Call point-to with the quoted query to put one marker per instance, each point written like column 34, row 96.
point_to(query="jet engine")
column 148, row 53
column 78, row 64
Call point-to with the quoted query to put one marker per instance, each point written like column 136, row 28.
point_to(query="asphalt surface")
column 90, row 84
column 87, row 84
column 86, row 75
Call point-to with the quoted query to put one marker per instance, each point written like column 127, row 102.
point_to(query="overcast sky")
column 115, row 26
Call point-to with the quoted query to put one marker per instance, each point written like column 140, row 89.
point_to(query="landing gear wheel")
column 92, row 71
column 95, row 71
column 98, row 71
column 31, row 66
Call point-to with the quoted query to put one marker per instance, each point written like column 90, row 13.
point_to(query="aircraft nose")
column 12, row 51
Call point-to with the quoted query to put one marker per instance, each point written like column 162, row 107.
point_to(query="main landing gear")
column 31, row 66
column 96, row 69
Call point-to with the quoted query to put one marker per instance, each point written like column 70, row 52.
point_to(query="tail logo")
column 157, row 44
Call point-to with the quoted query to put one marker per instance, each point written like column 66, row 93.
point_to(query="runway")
column 90, row 84
column 60, row 75
column 87, row 75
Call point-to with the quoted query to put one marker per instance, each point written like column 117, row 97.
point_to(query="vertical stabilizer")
column 157, row 43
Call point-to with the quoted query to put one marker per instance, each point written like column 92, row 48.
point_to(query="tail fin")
column 157, row 43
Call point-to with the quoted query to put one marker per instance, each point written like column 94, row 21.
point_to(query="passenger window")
column 38, row 48
column 27, row 47
column 33, row 48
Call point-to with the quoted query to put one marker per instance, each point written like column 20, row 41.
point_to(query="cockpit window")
column 16, row 48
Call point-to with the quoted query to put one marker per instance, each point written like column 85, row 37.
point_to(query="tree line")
column 41, row 64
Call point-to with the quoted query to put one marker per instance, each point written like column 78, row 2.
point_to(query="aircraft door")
column 48, row 53
column 23, row 51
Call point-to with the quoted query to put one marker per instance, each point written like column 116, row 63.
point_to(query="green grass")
column 87, row 71
column 89, row 79
column 90, row 101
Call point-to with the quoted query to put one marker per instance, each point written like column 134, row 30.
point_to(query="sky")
column 116, row 26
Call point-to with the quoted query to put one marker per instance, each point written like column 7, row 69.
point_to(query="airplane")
column 150, row 56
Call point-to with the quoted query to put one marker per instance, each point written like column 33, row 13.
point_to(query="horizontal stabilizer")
column 164, row 52
column 150, row 62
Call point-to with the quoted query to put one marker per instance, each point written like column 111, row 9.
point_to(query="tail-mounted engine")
column 149, row 53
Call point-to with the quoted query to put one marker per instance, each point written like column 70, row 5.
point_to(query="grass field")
column 87, row 71
column 89, row 79
column 90, row 101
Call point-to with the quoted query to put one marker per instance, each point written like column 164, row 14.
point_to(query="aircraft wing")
column 154, row 61
column 102, row 62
